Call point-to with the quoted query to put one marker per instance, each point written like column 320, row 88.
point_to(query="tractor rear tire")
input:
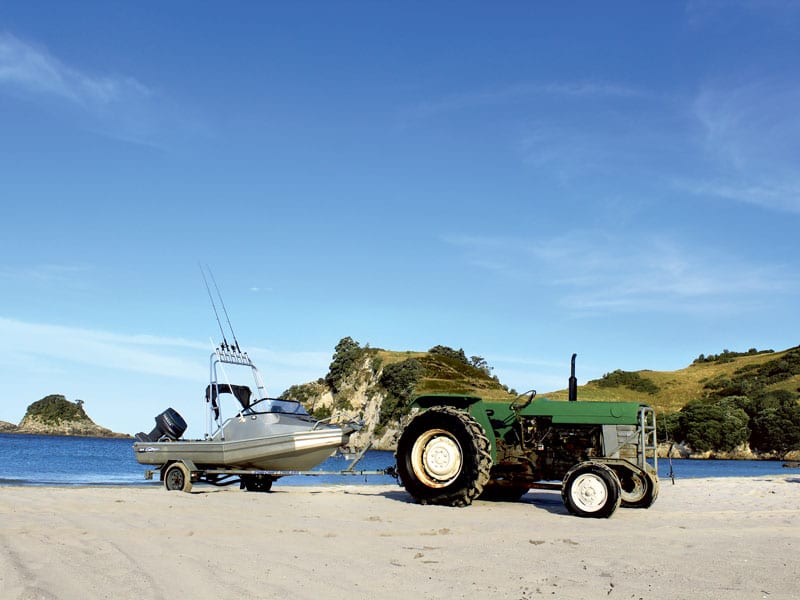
column 443, row 457
column 591, row 489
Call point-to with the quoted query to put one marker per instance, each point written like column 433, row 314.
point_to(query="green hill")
column 726, row 374
column 730, row 404
column 707, row 378
column 733, row 403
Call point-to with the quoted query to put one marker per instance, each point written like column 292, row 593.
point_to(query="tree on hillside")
column 480, row 363
column 449, row 352
column 775, row 422
column 399, row 380
column 344, row 357
column 722, row 425
column 55, row 408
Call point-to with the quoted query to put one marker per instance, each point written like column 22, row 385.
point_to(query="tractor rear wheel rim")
column 636, row 488
column 589, row 492
column 437, row 458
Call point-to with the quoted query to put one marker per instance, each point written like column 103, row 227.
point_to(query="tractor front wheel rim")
column 589, row 492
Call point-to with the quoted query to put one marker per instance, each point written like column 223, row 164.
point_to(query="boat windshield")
column 275, row 405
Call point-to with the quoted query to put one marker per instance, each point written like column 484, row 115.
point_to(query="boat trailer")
column 179, row 475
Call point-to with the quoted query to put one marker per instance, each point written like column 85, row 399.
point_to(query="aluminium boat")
column 263, row 434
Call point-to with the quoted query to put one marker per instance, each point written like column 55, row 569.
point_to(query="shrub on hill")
column 632, row 381
column 727, row 356
column 399, row 380
column 750, row 380
column 449, row 352
column 303, row 393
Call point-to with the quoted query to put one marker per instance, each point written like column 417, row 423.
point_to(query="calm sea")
column 51, row 460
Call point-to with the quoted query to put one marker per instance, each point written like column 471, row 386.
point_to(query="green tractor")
column 599, row 454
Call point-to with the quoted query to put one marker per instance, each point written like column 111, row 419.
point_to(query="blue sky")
column 521, row 180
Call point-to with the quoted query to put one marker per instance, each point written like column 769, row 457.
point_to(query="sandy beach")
column 704, row 538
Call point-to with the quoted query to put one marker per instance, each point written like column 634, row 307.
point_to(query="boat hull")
column 296, row 451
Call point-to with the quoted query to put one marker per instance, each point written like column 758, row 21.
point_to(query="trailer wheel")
column 443, row 457
column 257, row 483
column 591, row 490
column 177, row 478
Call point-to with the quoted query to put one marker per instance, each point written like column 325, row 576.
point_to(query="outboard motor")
column 169, row 424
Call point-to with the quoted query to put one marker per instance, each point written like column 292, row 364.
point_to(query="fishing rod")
column 214, row 306
column 225, row 310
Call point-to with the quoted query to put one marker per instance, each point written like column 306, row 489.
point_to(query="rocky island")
column 55, row 415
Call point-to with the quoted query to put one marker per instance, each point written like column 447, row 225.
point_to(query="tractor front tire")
column 443, row 457
column 638, row 489
column 591, row 489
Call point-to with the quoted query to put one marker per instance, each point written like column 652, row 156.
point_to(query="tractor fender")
column 474, row 405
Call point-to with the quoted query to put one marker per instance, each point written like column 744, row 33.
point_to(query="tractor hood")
column 580, row 412
column 561, row 411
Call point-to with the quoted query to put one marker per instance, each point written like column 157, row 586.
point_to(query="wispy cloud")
column 521, row 92
column 51, row 348
column 751, row 140
column 728, row 140
column 594, row 272
column 702, row 13
column 26, row 67
column 45, row 274
column 117, row 106
column 777, row 195
column 45, row 343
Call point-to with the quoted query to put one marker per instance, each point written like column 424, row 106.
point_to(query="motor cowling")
column 169, row 424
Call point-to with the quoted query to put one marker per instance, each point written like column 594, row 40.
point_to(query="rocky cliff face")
column 359, row 396
column 376, row 386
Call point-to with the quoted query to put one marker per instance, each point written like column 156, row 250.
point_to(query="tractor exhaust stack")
column 573, row 383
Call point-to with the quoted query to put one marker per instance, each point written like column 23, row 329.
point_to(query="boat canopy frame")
column 226, row 354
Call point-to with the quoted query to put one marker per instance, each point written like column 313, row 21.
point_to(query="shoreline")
column 792, row 456
column 307, row 481
column 715, row 537
column 144, row 483
column 114, row 436
column 665, row 451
